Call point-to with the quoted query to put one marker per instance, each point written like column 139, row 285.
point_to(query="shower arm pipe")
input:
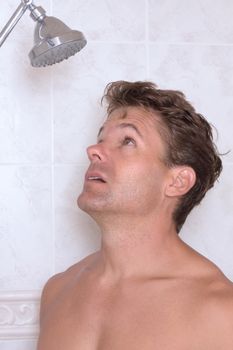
column 37, row 13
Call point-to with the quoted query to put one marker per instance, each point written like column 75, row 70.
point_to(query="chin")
column 90, row 205
column 82, row 203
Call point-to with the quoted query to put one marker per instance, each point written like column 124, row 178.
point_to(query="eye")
column 128, row 141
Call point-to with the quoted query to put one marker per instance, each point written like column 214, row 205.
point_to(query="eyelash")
column 127, row 139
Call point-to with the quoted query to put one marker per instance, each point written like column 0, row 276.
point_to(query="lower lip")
column 95, row 181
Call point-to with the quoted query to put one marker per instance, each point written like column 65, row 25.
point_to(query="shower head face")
column 54, row 42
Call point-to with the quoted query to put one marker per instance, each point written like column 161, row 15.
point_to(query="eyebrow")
column 123, row 126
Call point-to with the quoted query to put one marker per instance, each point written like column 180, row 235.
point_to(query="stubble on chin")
column 91, row 203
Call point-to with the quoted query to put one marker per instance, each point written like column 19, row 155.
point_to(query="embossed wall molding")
column 19, row 314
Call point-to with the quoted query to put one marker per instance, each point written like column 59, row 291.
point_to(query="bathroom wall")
column 50, row 115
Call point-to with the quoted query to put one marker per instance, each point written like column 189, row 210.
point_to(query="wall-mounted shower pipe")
column 54, row 41
column 14, row 19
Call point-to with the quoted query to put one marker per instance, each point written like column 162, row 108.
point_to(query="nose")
column 95, row 153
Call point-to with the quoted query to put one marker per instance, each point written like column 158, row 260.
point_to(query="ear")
column 182, row 179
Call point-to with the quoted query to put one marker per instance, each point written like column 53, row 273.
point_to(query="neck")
column 133, row 248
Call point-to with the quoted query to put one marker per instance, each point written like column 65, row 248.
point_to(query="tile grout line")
column 42, row 165
column 51, row 7
column 147, row 39
column 52, row 166
column 52, row 176
column 153, row 42
column 183, row 43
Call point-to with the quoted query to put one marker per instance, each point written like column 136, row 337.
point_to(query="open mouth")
column 96, row 179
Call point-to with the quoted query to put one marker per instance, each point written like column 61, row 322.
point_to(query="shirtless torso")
column 190, row 310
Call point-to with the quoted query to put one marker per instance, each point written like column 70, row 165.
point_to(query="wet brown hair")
column 187, row 135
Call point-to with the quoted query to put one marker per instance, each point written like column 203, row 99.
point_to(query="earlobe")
column 182, row 180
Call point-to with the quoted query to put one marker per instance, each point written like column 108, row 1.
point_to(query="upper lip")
column 96, row 174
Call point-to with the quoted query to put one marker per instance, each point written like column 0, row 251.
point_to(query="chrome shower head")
column 54, row 42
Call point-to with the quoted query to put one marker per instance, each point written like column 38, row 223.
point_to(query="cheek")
column 140, row 188
column 128, row 173
column 140, row 176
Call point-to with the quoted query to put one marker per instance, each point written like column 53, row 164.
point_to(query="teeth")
column 94, row 178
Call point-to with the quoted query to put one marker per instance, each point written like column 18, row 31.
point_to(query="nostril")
column 93, row 153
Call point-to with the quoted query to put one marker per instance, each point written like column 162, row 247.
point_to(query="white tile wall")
column 25, row 101
column 18, row 345
column 189, row 21
column 49, row 116
column 25, row 226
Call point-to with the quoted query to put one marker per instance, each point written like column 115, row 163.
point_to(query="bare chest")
column 119, row 321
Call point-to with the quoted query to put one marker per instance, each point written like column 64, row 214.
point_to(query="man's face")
column 126, row 173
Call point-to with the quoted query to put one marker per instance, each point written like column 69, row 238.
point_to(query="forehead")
column 145, row 121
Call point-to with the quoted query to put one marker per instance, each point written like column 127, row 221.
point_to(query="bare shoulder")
column 57, row 284
column 218, row 310
column 214, row 300
column 221, row 293
column 218, row 289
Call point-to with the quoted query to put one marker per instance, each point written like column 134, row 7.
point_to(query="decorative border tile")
column 19, row 314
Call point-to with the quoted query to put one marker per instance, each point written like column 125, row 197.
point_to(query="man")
column 145, row 289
